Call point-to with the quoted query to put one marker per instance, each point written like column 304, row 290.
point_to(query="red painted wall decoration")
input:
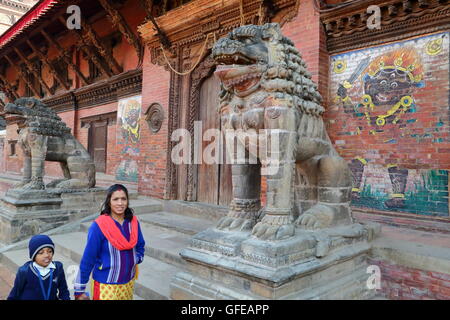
column 389, row 117
column 128, row 138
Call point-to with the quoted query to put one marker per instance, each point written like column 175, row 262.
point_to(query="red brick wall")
column 307, row 32
column 404, row 283
column 152, row 168
column 111, row 148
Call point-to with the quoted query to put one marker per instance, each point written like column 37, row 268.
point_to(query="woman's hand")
column 83, row 296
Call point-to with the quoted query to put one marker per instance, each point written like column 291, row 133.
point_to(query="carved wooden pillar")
column 92, row 37
column 203, row 71
column 173, row 124
column 85, row 45
column 119, row 21
column 23, row 76
column 67, row 58
column 44, row 59
column 8, row 89
column 33, row 71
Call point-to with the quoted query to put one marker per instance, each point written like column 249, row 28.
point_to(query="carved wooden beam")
column 23, row 76
column 8, row 89
column 106, row 54
column 85, row 46
column 52, row 69
column 148, row 6
column 66, row 58
column 119, row 21
column 33, row 71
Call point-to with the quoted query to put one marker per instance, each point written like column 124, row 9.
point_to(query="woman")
column 114, row 247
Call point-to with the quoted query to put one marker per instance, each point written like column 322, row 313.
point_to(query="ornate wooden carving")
column 84, row 44
column 147, row 5
column 23, row 76
column 154, row 117
column 48, row 64
column 187, row 34
column 203, row 71
column 347, row 28
column 66, row 56
column 62, row 102
column 173, row 123
column 219, row 17
column 127, row 83
column 9, row 91
column 119, row 21
column 31, row 69
column 91, row 36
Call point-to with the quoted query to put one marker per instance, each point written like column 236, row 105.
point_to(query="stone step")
column 195, row 209
column 162, row 244
column 154, row 275
column 142, row 205
column 180, row 223
column 414, row 249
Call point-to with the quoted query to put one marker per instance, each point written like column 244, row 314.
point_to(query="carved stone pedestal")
column 323, row 264
column 27, row 212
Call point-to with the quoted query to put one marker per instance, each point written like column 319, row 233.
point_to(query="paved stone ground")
column 6, row 282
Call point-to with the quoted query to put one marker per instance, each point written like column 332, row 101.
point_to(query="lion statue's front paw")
column 265, row 230
column 318, row 217
column 20, row 184
column 235, row 224
column 34, row 185
column 55, row 183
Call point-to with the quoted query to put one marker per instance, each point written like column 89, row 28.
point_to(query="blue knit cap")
column 39, row 242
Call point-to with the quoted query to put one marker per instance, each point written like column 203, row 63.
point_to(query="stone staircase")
column 165, row 234
column 168, row 226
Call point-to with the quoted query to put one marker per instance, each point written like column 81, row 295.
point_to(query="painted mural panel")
column 389, row 117
column 128, row 137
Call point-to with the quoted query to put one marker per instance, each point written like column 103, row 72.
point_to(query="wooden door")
column 213, row 180
column 98, row 132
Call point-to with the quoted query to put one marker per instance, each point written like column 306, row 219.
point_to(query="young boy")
column 40, row 278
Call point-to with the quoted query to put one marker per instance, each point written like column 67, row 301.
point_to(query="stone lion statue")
column 266, row 87
column 43, row 136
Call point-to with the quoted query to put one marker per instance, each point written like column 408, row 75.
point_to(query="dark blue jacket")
column 27, row 286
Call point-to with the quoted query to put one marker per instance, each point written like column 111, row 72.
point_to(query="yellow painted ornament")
column 434, row 47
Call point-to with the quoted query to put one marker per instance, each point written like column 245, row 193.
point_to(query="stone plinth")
column 323, row 264
column 27, row 212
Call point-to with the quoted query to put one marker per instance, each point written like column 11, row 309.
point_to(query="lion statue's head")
column 252, row 58
column 36, row 116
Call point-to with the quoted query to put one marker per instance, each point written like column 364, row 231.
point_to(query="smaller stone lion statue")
column 43, row 136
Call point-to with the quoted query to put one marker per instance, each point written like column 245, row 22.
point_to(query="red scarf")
column 114, row 235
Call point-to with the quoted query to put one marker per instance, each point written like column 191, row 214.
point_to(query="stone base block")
column 325, row 264
column 25, row 213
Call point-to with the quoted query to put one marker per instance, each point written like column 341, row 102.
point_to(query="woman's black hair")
column 106, row 207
